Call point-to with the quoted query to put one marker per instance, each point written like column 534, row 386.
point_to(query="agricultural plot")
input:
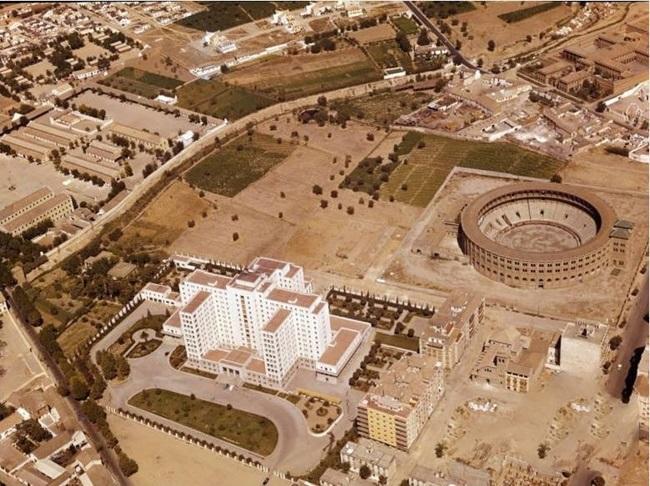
column 242, row 162
column 519, row 15
column 417, row 179
column 406, row 25
column 307, row 83
column 220, row 100
column 74, row 336
column 217, row 16
column 142, row 83
column 445, row 9
column 388, row 54
column 383, row 108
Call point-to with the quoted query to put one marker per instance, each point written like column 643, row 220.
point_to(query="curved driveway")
column 297, row 450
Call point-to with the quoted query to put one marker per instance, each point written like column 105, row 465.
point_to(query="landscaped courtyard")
column 253, row 432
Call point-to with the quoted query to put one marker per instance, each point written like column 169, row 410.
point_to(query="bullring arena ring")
column 538, row 234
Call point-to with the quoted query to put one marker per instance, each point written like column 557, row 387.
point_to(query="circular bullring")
column 537, row 234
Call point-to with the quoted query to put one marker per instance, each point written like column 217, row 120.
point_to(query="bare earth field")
column 510, row 39
column 17, row 363
column 598, row 299
column 374, row 34
column 165, row 218
column 165, row 460
column 328, row 239
column 604, row 428
column 599, row 168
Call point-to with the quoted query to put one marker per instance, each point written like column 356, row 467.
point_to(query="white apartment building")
column 261, row 325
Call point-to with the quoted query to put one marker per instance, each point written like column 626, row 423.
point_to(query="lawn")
column 405, row 24
column 253, row 432
column 416, row 181
column 306, row 83
column 142, row 83
column 523, row 14
column 398, row 341
column 245, row 160
column 217, row 99
column 388, row 54
column 383, row 108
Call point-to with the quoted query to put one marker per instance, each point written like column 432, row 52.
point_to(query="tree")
column 123, row 368
column 93, row 412
column 598, row 481
column 440, row 449
column 127, row 465
column 542, row 449
column 557, row 178
column 423, row 38
column 318, row 190
column 615, row 342
column 403, row 41
column 601, row 107
column 322, row 101
column 78, row 388
column 345, row 467
column 491, row 45
column 364, row 472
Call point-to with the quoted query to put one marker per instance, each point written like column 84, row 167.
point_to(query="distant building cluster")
column 608, row 64
column 33, row 209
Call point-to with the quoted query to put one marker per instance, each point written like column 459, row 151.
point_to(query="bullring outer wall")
column 526, row 269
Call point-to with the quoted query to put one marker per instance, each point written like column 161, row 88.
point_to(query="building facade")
column 398, row 406
column 452, row 327
column 33, row 209
column 260, row 325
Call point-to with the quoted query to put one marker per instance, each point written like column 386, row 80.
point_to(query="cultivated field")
column 292, row 77
column 382, row 109
column 220, row 100
column 388, row 54
column 243, row 161
column 416, row 181
column 142, row 83
column 406, row 25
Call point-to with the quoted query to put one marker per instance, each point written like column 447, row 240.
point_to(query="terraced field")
column 416, row 181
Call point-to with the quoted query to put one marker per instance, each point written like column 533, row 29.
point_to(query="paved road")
column 635, row 336
column 297, row 450
column 424, row 20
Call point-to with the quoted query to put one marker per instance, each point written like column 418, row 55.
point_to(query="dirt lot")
column 138, row 116
column 326, row 239
column 510, row 39
column 599, row 168
column 165, row 460
column 17, row 364
column 20, row 178
column 598, row 299
column 165, row 218
column 374, row 34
